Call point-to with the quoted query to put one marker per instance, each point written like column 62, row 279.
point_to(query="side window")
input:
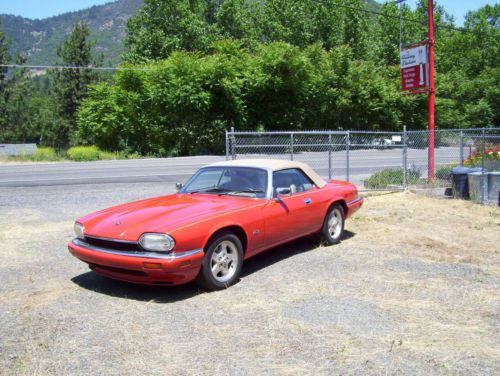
column 293, row 178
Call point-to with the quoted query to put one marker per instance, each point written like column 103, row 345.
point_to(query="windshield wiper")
column 254, row 191
column 209, row 190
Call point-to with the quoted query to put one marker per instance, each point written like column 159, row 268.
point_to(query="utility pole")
column 432, row 93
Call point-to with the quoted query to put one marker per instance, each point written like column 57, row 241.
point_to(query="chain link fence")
column 379, row 160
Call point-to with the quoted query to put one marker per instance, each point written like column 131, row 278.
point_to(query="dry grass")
column 413, row 289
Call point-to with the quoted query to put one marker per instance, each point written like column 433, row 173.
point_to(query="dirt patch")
column 412, row 289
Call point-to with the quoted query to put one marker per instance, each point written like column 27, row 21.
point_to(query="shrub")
column 84, row 153
column 45, row 154
column 387, row 177
column 106, row 155
column 444, row 172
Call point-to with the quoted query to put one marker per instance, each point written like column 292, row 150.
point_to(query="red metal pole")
column 432, row 93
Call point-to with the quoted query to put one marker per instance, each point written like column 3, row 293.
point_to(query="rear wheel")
column 333, row 225
column 222, row 263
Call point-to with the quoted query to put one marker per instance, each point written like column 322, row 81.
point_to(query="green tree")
column 71, row 84
column 164, row 26
column 240, row 19
column 4, row 55
column 16, row 113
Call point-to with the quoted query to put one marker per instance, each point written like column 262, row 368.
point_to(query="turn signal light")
column 151, row 265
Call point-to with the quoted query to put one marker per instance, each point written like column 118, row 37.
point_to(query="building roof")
column 275, row 165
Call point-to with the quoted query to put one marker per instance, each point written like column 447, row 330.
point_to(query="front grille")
column 114, row 245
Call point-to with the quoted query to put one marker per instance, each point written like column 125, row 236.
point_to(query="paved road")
column 363, row 163
column 121, row 171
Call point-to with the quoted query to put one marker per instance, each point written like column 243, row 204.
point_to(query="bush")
column 444, row 172
column 45, row 154
column 107, row 155
column 84, row 153
column 385, row 178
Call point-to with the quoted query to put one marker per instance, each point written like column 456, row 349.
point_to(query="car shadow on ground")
column 161, row 294
column 158, row 294
column 283, row 252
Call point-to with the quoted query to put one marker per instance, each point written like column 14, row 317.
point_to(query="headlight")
column 157, row 242
column 79, row 230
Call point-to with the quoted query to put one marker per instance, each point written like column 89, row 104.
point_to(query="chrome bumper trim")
column 354, row 202
column 153, row 255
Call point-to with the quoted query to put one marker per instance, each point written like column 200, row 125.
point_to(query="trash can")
column 478, row 185
column 459, row 180
column 493, row 186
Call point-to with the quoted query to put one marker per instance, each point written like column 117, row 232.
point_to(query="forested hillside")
column 38, row 40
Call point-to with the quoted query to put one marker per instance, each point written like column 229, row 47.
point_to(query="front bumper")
column 139, row 267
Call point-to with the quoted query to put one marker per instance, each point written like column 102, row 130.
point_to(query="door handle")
column 308, row 201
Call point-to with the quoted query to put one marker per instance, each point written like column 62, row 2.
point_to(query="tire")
column 333, row 225
column 222, row 263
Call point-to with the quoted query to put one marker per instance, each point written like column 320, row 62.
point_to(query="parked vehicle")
column 226, row 213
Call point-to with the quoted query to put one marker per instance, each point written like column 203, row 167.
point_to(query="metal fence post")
column 227, row 146
column 482, row 166
column 330, row 155
column 291, row 146
column 405, row 158
column 347, row 155
column 461, row 148
column 232, row 144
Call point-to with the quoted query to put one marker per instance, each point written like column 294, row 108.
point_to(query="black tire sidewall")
column 205, row 278
column 325, row 232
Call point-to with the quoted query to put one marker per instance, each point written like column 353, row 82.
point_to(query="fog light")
column 151, row 265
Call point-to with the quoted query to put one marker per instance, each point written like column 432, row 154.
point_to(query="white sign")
column 414, row 67
column 413, row 56
column 396, row 138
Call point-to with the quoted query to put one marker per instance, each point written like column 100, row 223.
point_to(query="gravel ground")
column 412, row 289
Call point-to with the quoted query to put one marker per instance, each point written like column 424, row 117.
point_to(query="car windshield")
column 241, row 181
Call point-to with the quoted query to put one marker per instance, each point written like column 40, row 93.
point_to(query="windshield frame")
column 268, row 183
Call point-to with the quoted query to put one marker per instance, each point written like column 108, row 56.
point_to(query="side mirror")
column 178, row 186
column 282, row 191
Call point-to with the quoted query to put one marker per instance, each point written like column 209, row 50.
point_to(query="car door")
column 293, row 215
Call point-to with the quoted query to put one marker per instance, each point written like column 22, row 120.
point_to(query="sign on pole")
column 414, row 67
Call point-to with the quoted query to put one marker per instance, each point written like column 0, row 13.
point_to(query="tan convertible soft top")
column 275, row 165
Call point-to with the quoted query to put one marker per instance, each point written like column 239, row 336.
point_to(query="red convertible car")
column 226, row 213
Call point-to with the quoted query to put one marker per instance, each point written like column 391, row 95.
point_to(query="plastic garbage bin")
column 459, row 180
column 493, row 186
column 459, row 177
column 478, row 185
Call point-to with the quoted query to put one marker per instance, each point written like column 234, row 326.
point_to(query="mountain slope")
column 39, row 39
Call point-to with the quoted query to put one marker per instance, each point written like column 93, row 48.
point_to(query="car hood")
column 161, row 214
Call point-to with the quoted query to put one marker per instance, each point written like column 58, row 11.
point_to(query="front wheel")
column 222, row 263
column 333, row 225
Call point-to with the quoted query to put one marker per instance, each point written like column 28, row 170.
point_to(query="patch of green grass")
column 76, row 153
column 47, row 154
column 84, row 153
column 387, row 177
column 107, row 155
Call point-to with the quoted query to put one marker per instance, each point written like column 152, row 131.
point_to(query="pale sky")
column 48, row 8
column 458, row 8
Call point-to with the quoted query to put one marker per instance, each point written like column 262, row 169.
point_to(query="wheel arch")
column 236, row 230
column 340, row 201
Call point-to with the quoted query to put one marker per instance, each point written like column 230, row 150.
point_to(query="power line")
column 424, row 23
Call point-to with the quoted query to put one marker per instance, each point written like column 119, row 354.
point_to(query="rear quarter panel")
column 339, row 191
